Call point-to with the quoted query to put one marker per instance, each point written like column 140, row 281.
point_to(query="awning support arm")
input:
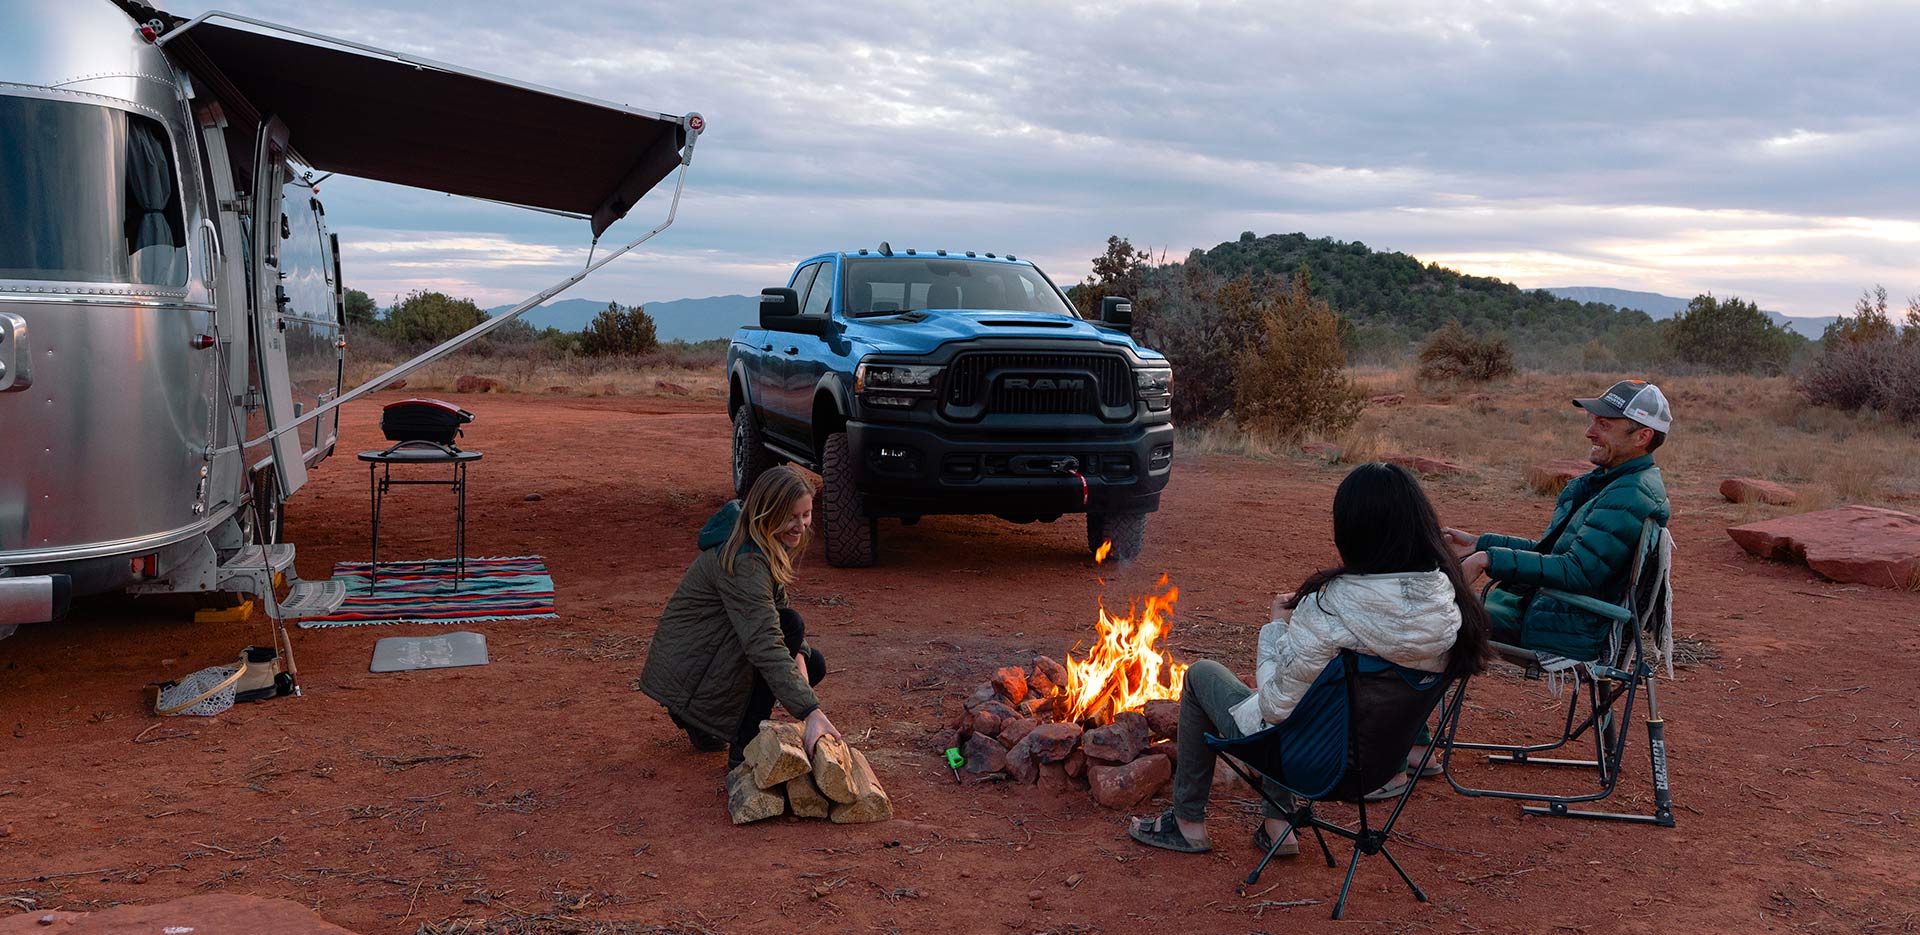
column 694, row 124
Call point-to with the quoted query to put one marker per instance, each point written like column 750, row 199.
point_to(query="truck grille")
column 1051, row 384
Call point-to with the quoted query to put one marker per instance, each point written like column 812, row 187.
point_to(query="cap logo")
column 1615, row 400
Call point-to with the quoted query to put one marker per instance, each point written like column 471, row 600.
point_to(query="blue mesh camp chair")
column 1614, row 680
column 1349, row 735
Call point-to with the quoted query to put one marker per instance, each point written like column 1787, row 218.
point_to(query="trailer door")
column 271, row 319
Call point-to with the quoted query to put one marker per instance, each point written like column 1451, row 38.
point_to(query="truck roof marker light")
column 941, row 252
column 991, row 257
column 863, row 251
column 1012, row 257
column 969, row 253
column 910, row 252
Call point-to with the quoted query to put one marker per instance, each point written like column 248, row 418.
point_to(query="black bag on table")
column 423, row 420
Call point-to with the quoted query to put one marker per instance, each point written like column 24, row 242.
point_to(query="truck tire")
column 848, row 531
column 1127, row 532
column 750, row 455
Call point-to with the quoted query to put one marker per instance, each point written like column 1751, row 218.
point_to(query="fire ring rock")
column 984, row 755
column 1129, row 784
column 1011, row 681
column 1052, row 743
column 1163, row 717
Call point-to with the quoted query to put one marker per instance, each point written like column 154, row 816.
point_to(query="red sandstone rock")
column 1053, row 778
column 1011, row 682
column 1129, row 784
column 944, row 740
column 1076, row 765
column 1055, row 672
column 1136, row 725
column 1389, row 399
column 210, row 915
column 1112, row 743
column 1552, row 476
column 984, row 755
column 1052, row 743
column 1163, row 717
column 1039, row 684
column 1164, row 748
column 991, row 717
column 468, row 383
column 1020, row 762
column 671, row 389
column 1857, row 544
column 1755, row 490
column 1017, row 730
column 982, row 693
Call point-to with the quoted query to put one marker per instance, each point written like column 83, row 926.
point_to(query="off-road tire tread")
column 849, row 533
column 1127, row 532
column 749, row 445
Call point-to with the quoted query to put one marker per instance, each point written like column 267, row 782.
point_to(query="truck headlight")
column 895, row 379
column 1153, row 382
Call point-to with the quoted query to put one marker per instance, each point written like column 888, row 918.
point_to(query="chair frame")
column 1366, row 838
column 1607, row 682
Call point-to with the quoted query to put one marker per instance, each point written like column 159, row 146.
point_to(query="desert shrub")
column 1202, row 329
column 1882, row 375
column 1450, row 353
column 619, row 330
column 1291, row 379
column 1730, row 336
column 427, row 318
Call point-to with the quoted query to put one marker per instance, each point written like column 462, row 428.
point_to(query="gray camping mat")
column 444, row 651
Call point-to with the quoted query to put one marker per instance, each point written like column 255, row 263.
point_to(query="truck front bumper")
column 917, row 469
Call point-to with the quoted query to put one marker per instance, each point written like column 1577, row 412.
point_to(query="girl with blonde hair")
column 728, row 645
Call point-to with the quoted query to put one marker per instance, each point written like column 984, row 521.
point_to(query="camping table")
column 379, row 477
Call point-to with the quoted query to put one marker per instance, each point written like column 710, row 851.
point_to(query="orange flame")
column 1127, row 667
column 1100, row 554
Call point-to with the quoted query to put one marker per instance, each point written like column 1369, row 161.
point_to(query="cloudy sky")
column 1764, row 150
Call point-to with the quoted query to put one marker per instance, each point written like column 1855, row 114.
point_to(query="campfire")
column 1104, row 721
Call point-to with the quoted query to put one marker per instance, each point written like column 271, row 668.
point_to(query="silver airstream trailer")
column 170, row 297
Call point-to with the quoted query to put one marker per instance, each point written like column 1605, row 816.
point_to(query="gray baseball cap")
column 1632, row 399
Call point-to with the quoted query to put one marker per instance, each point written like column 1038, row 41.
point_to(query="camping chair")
column 1349, row 734
column 1613, row 680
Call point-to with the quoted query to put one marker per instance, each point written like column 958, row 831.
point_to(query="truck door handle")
column 766, row 347
column 791, row 349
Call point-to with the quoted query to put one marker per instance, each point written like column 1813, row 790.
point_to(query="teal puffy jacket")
column 1587, row 550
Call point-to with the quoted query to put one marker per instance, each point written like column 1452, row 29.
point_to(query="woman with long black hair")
column 1397, row 594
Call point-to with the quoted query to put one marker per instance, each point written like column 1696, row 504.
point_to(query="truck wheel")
column 750, row 456
column 849, row 532
column 1127, row 532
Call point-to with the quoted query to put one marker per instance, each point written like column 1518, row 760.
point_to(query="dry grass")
column 539, row 371
column 1726, row 426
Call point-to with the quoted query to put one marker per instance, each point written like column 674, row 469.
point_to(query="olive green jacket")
column 717, row 630
column 1587, row 550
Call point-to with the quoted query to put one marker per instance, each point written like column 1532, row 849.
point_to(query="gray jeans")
column 1206, row 707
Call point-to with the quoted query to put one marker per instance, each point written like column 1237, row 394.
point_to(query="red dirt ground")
column 1793, row 767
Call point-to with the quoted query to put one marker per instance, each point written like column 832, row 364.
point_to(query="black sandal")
column 1164, row 833
column 1263, row 843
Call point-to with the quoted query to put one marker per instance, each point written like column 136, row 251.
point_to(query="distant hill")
column 677, row 320
column 1666, row 306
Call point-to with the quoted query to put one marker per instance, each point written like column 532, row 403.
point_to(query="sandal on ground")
column 1262, row 842
column 1391, row 790
column 1433, row 768
column 1163, row 832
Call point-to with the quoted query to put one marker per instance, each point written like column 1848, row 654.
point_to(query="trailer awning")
column 381, row 115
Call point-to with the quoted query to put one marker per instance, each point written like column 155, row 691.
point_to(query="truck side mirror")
column 778, row 307
column 1117, row 312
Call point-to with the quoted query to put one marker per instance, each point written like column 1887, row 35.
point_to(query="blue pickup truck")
column 919, row 383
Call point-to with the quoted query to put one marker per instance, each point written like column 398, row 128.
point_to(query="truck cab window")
column 821, row 295
column 88, row 194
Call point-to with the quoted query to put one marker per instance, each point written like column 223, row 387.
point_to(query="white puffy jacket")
column 1408, row 619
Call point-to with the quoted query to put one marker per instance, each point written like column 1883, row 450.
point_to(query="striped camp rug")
column 424, row 592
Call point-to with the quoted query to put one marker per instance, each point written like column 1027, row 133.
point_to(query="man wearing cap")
column 1588, row 546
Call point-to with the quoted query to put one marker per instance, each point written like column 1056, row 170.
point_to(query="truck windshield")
column 884, row 286
column 87, row 194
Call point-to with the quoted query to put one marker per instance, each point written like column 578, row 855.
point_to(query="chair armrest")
column 1612, row 612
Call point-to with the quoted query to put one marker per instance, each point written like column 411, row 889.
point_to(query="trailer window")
column 88, row 194
column 886, row 286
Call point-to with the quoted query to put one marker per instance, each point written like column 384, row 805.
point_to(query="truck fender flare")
column 739, row 388
column 832, row 387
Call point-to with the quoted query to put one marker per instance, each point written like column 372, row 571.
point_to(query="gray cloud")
column 1669, row 144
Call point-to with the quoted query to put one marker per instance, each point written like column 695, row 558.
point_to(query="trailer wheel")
column 750, row 455
column 269, row 514
column 1127, row 532
column 849, row 532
